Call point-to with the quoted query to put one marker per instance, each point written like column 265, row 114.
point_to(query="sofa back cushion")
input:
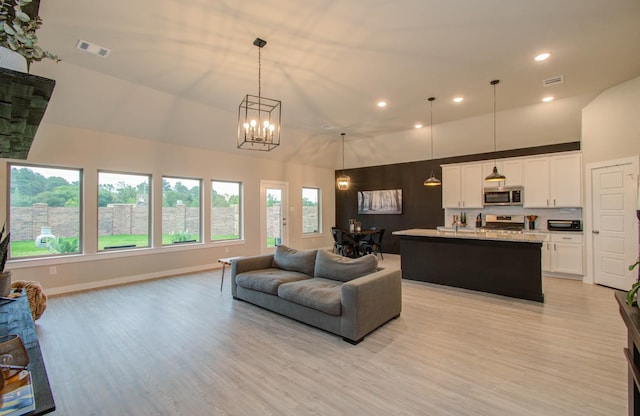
column 296, row 261
column 333, row 266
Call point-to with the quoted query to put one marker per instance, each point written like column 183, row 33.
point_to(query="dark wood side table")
column 631, row 317
column 15, row 318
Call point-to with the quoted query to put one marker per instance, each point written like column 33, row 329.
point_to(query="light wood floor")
column 178, row 346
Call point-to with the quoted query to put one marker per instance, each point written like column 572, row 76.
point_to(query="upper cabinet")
column 553, row 181
column 462, row 186
column 510, row 168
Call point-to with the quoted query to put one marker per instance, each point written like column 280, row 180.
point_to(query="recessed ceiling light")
column 547, row 99
column 543, row 56
column 418, row 125
column 458, row 99
column 382, row 104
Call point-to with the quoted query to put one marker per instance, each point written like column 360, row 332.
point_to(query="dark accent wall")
column 421, row 205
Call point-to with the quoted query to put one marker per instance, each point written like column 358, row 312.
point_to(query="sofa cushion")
column 268, row 280
column 319, row 294
column 302, row 261
column 333, row 266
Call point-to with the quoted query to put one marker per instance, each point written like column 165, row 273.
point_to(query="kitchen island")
column 494, row 262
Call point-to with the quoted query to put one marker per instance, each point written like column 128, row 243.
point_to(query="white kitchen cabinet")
column 553, row 181
column 510, row 168
column 462, row 186
column 562, row 253
column 566, row 180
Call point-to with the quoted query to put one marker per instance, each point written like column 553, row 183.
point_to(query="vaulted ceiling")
column 178, row 70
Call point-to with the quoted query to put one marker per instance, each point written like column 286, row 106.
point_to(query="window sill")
column 120, row 253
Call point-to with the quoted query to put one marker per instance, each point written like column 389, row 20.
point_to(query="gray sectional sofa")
column 347, row 297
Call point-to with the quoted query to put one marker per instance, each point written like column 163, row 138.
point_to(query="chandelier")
column 259, row 117
column 343, row 180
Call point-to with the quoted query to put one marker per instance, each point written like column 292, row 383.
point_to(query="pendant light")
column 495, row 176
column 431, row 180
column 343, row 180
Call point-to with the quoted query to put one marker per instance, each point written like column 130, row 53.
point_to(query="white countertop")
column 473, row 234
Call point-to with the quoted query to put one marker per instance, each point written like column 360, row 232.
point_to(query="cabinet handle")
column 554, row 247
column 554, row 202
column 595, row 232
column 547, row 202
column 566, row 238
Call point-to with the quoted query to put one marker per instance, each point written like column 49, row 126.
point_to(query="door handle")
column 596, row 231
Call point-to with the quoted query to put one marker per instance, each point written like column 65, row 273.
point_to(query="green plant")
column 181, row 236
column 4, row 248
column 18, row 31
column 632, row 293
column 63, row 245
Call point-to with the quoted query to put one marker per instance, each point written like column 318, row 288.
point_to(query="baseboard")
column 128, row 279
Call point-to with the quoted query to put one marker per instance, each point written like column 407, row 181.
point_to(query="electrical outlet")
column 53, row 270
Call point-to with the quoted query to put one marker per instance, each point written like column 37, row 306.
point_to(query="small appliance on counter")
column 564, row 225
column 504, row 223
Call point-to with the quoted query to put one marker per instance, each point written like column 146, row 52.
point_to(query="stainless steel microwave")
column 503, row 195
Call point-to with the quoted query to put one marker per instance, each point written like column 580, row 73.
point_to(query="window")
column 44, row 211
column 311, row 210
column 180, row 210
column 123, row 210
column 226, row 208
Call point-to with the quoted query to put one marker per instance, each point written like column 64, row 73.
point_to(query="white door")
column 615, row 228
column 273, row 215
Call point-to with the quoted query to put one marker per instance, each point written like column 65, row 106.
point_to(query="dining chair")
column 347, row 245
column 373, row 244
column 336, row 241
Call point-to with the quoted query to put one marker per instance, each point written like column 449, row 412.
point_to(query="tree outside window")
column 44, row 211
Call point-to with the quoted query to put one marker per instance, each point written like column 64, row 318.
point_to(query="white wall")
column 536, row 125
column 610, row 132
column 611, row 123
column 72, row 147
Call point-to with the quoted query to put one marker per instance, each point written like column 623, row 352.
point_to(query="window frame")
column 81, row 207
column 149, row 212
column 200, row 211
column 319, row 205
column 240, row 230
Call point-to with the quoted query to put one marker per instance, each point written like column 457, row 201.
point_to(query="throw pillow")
column 333, row 266
column 302, row 261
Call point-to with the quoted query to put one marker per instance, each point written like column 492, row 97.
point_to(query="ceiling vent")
column 83, row 45
column 553, row 81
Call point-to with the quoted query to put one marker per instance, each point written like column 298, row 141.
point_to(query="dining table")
column 359, row 235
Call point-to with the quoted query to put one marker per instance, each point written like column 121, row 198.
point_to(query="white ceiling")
column 178, row 70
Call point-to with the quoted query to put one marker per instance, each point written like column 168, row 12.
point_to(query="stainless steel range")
column 504, row 223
